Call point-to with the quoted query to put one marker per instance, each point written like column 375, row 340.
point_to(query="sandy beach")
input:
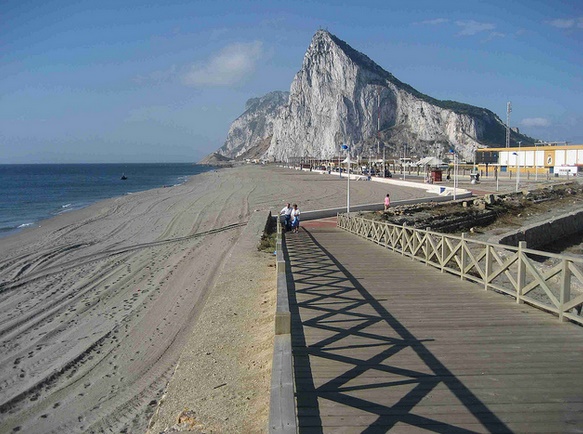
column 162, row 293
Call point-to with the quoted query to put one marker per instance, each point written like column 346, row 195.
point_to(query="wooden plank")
column 377, row 335
column 331, row 408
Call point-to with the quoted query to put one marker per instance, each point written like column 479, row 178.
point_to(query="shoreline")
column 59, row 206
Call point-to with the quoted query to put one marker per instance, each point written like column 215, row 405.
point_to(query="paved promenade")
column 382, row 343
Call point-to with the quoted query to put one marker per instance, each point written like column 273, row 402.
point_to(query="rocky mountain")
column 215, row 159
column 341, row 96
column 250, row 134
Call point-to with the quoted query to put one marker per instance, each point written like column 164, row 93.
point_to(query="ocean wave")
column 25, row 225
column 63, row 211
column 182, row 179
column 69, row 207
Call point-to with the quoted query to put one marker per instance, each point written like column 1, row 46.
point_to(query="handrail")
column 541, row 279
column 282, row 406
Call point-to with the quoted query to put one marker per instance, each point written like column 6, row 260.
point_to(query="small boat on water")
column 123, row 177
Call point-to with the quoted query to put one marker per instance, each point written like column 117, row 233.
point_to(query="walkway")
column 383, row 343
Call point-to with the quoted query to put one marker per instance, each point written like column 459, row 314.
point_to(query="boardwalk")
column 383, row 343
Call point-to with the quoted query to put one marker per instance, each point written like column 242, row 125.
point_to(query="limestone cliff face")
column 340, row 95
column 248, row 133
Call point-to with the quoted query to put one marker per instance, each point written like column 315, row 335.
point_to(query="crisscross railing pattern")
column 551, row 282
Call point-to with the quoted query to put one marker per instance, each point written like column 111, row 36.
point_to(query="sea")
column 30, row 193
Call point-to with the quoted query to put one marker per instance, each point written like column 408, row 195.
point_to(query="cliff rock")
column 250, row 134
column 340, row 96
column 215, row 159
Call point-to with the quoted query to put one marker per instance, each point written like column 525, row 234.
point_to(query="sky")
column 98, row 81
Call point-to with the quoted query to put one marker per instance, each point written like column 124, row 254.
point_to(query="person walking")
column 295, row 216
column 387, row 201
column 286, row 212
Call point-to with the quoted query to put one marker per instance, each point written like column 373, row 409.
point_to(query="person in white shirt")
column 286, row 212
column 295, row 216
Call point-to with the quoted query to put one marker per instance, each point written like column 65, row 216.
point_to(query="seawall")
column 541, row 234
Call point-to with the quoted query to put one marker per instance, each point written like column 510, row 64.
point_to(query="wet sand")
column 97, row 306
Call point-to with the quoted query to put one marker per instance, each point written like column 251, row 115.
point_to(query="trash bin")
column 436, row 175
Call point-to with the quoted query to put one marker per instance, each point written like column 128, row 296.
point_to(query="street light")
column 517, row 166
column 456, row 165
column 517, row 169
column 536, row 160
column 347, row 149
column 455, row 170
column 403, row 161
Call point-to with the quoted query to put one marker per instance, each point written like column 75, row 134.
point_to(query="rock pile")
column 465, row 215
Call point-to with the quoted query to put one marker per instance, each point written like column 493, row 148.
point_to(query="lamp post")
column 517, row 170
column 403, row 161
column 453, row 155
column 347, row 149
column 517, row 166
column 455, row 177
column 536, row 162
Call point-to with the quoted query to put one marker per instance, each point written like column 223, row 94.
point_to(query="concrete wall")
column 282, row 405
column 541, row 234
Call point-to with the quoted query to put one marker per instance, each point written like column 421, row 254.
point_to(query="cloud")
column 230, row 66
column 471, row 27
column 567, row 23
column 434, row 22
column 493, row 35
column 535, row 122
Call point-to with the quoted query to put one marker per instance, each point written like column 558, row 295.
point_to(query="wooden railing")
column 548, row 281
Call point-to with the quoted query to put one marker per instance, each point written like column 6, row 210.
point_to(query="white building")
column 559, row 159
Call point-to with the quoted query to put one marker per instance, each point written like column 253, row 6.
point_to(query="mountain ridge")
column 339, row 96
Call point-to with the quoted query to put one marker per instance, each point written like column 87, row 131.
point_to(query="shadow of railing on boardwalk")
column 335, row 298
column 307, row 402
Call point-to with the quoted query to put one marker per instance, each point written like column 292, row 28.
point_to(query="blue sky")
column 143, row 81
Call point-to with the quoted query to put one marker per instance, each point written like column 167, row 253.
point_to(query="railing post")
column 427, row 245
column 442, row 259
column 413, row 245
column 488, row 268
column 463, row 257
column 403, row 238
column 521, row 275
column 392, row 231
column 565, row 294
